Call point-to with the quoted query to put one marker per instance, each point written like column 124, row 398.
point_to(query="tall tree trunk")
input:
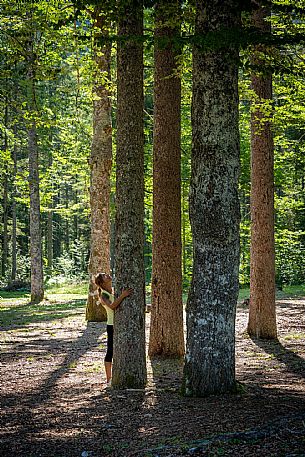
column 57, row 219
column 184, row 196
column 166, row 328
column 112, row 245
column 100, row 164
column 214, row 206
column 5, row 199
column 14, row 214
column 37, row 290
column 49, row 234
column 262, row 313
column 67, row 219
column 129, row 368
column 50, row 239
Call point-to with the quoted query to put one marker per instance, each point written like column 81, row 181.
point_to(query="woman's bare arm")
column 103, row 298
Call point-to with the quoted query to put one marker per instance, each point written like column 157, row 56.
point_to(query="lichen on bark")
column 129, row 361
column 214, row 207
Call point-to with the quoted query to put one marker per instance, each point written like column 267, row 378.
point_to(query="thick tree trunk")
column 37, row 291
column 129, row 367
column 262, row 312
column 100, row 164
column 166, row 328
column 214, row 207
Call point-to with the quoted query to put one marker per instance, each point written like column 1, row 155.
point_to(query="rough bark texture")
column 100, row 164
column 214, row 208
column 166, row 328
column 129, row 367
column 37, row 291
column 262, row 313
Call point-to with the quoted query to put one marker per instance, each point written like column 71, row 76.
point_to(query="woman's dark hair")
column 99, row 280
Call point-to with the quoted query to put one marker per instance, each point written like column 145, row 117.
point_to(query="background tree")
column 64, row 127
column 262, row 314
column 5, row 191
column 166, row 328
column 129, row 367
column 37, row 286
column 214, row 205
column 100, row 164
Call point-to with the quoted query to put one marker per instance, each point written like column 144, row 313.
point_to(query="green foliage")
column 61, row 37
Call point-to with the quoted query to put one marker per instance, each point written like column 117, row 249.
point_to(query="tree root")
column 275, row 428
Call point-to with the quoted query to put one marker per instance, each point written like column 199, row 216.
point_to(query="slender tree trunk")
column 37, row 290
column 50, row 239
column 49, row 234
column 57, row 225
column 5, row 200
column 14, row 214
column 262, row 313
column 166, row 328
column 100, row 164
column 214, row 207
column 184, row 196
column 67, row 220
column 129, row 367
column 112, row 246
column 5, row 224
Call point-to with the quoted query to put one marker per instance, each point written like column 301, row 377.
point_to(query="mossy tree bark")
column 262, row 312
column 214, row 205
column 166, row 327
column 129, row 362
column 100, row 164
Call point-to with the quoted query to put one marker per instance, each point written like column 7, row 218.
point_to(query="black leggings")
column 109, row 353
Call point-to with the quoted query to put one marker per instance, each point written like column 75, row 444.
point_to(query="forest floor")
column 53, row 402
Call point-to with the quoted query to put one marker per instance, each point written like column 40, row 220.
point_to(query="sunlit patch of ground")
column 55, row 404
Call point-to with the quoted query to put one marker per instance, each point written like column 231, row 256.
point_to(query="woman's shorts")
column 109, row 353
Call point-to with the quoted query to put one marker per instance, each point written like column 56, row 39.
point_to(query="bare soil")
column 54, row 402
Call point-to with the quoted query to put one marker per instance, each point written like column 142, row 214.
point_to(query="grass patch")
column 16, row 294
column 292, row 291
column 80, row 288
column 12, row 316
column 294, row 336
column 288, row 291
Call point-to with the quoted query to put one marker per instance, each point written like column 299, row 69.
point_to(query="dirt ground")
column 53, row 402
